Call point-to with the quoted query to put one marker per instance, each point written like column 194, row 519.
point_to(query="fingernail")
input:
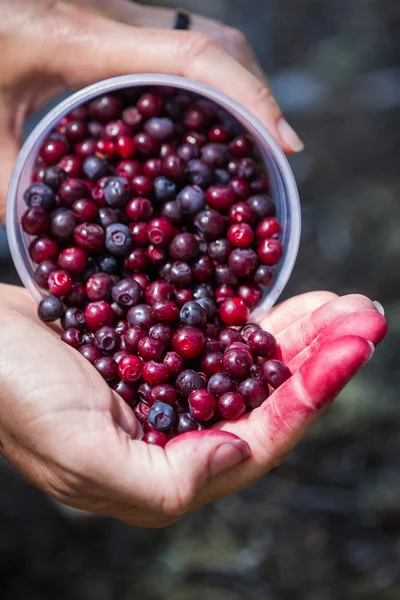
column 289, row 136
column 371, row 345
column 229, row 455
column 379, row 307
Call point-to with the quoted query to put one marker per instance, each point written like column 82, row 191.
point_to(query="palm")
column 79, row 439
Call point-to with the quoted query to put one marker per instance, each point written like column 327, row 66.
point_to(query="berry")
column 188, row 342
column 155, row 373
column 269, row 251
column 202, row 405
column 254, row 392
column 268, row 228
column 275, row 373
column 162, row 393
column 98, row 314
column 130, row 368
column 234, row 311
column 162, row 416
column 118, row 239
column 155, row 438
column 237, row 363
column 126, row 292
column 59, row 283
column 220, row 384
column 231, row 405
column 187, row 381
column 262, row 343
column 107, row 367
column 107, row 340
column 240, row 235
column 50, row 309
column 192, row 314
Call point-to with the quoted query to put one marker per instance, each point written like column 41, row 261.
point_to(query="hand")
column 67, row 432
column 49, row 46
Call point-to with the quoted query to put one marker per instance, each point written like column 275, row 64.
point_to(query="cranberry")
column 72, row 165
column 76, row 295
column 220, row 197
column 155, row 438
column 188, row 342
column 202, row 405
column 43, row 249
column 231, row 405
column 84, row 210
column 107, row 367
column 133, row 336
column 105, row 108
column 240, row 235
column 73, row 337
column 268, row 228
column 162, row 393
column 71, row 190
column 43, row 272
column 89, row 236
column 138, row 209
column 160, row 231
column 250, row 293
column 155, row 373
column 141, row 411
column 127, row 391
column 59, row 283
column 275, row 373
column 173, row 167
column 90, row 352
column 248, row 329
column 264, row 275
column 142, row 185
column 241, row 188
column 98, row 287
column 187, row 381
column 146, row 146
column 85, row 148
column 35, row 220
column 152, row 168
column 243, row 262
column 182, row 296
column 73, row 260
column 211, row 363
column 174, row 363
column 229, row 336
column 141, row 315
column 130, row 368
column 185, row 423
column 262, row 343
column 150, row 348
column 98, row 314
column 105, row 148
column 210, row 223
column 149, row 105
column 269, row 251
column 142, row 279
column 76, row 131
column 203, row 268
column 165, row 311
column 53, row 150
column 237, row 363
column 194, row 119
column 132, row 117
column 162, row 332
column 167, row 150
column 234, row 311
column 219, row 133
column 195, row 138
column 262, row 205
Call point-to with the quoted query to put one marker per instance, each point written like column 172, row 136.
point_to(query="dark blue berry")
column 164, row 189
column 198, row 173
column 191, row 199
column 50, row 309
column 209, row 307
column 108, row 264
column 40, row 194
column 193, row 315
column 162, row 416
column 54, row 177
column 117, row 192
column 118, row 239
column 95, row 167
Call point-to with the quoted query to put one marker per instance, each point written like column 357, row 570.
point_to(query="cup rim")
column 252, row 123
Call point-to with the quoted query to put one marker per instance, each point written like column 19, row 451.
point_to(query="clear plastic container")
column 283, row 186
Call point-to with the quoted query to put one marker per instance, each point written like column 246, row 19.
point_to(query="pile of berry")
column 154, row 234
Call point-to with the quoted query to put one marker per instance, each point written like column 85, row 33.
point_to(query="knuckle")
column 193, row 45
column 262, row 95
column 235, row 38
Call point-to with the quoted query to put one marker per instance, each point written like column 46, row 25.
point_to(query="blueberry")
column 191, row 199
column 208, row 306
column 199, row 173
column 40, row 194
column 221, row 176
column 160, row 128
column 162, row 416
column 187, row 381
column 164, row 189
column 193, row 315
column 108, row 264
column 54, row 176
column 50, row 309
column 118, row 239
column 117, row 192
column 95, row 167
column 203, row 290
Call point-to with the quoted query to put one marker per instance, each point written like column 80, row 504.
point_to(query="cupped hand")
column 48, row 46
column 67, row 432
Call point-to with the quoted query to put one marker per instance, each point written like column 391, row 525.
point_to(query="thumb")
column 86, row 47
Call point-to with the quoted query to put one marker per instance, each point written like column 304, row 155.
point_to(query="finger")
column 286, row 313
column 164, row 482
column 274, row 428
column 9, row 149
column 368, row 324
column 132, row 13
column 294, row 338
column 104, row 48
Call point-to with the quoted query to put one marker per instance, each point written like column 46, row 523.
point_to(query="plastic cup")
column 283, row 186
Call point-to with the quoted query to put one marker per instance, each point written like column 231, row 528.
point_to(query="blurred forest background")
column 326, row 524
